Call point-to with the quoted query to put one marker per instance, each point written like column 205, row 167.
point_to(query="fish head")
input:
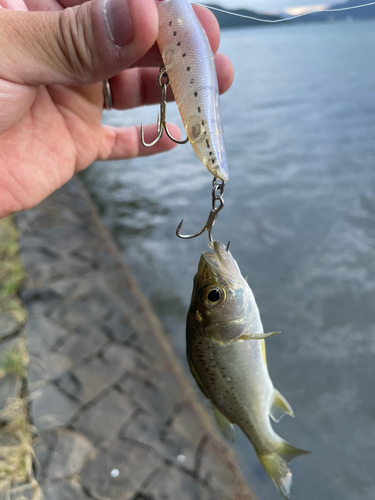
column 222, row 305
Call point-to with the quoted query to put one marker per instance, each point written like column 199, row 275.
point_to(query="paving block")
column 105, row 418
column 119, row 470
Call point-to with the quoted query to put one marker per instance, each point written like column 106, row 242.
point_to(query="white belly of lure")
column 189, row 62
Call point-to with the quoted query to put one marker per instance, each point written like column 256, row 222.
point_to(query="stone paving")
column 115, row 417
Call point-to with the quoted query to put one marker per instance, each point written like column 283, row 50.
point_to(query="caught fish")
column 226, row 355
column 189, row 62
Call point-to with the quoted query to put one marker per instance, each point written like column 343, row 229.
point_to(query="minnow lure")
column 190, row 66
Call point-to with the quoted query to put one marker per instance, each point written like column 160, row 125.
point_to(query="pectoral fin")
column 226, row 427
column 256, row 336
column 280, row 407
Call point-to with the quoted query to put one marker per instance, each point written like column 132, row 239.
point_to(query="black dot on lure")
column 188, row 68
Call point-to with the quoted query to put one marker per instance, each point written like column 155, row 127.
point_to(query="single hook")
column 217, row 196
column 162, row 117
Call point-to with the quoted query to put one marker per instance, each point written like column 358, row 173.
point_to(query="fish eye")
column 213, row 296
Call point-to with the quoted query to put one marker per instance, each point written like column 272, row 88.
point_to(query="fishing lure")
column 190, row 70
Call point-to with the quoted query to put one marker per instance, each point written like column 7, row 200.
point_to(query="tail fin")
column 276, row 466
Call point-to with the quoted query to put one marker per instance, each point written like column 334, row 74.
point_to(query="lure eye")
column 213, row 296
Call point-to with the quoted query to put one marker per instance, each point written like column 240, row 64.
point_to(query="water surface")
column 300, row 214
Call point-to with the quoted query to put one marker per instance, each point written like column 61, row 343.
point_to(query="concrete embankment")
column 114, row 416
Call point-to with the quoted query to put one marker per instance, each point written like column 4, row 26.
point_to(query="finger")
column 225, row 72
column 142, row 88
column 75, row 46
column 13, row 4
column 44, row 5
column 209, row 24
column 51, row 4
column 122, row 143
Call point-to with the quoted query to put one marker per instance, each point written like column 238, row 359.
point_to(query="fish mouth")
column 221, row 260
column 212, row 261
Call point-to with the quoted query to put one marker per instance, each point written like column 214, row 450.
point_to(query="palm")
column 59, row 135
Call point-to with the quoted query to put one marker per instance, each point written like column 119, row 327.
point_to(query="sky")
column 290, row 6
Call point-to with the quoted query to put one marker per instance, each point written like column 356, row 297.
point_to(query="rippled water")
column 300, row 215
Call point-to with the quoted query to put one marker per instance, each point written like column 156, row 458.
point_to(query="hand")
column 55, row 56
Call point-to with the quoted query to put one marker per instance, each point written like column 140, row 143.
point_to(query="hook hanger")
column 217, row 197
column 162, row 117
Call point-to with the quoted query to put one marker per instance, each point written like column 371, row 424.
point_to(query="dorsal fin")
column 280, row 407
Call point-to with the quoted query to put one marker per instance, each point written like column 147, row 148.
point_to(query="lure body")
column 189, row 62
column 226, row 354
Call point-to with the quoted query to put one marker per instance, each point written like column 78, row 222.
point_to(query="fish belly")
column 236, row 380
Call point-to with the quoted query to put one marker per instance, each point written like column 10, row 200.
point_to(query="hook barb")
column 149, row 145
column 211, row 216
column 172, row 138
column 190, row 236
column 162, row 117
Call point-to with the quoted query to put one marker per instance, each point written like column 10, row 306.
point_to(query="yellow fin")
column 226, row 427
column 280, row 407
column 264, row 352
column 276, row 466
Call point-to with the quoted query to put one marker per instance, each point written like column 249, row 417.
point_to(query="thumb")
column 78, row 45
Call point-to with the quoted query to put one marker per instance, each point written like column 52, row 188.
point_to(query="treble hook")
column 162, row 117
column 217, row 196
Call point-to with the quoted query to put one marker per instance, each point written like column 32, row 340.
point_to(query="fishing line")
column 286, row 18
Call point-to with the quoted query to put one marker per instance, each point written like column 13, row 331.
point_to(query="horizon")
column 291, row 7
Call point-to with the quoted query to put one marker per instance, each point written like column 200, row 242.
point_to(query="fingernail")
column 119, row 21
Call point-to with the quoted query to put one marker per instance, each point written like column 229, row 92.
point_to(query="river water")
column 300, row 214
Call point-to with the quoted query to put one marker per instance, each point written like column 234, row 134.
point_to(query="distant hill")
column 228, row 21
column 355, row 14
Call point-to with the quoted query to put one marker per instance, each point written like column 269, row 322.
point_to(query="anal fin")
column 226, row 427
column 280, row 407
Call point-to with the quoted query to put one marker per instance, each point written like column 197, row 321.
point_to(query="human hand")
column 54, row 59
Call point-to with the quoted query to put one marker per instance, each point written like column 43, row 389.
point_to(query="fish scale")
column 190, row 65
